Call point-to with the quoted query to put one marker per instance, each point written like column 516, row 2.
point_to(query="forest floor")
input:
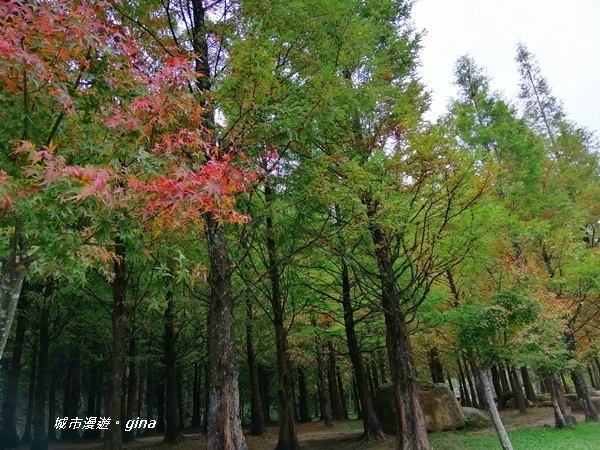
column 314, row 436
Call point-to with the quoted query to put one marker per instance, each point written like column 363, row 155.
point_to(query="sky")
column 563, row 35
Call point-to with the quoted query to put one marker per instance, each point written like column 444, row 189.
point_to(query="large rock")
column 578, row 406
column 440, row 407
column 476, row 418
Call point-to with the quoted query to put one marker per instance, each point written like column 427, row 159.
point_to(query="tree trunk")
column 582, row 392
column 470, row 382
column 40, row 435
column 287, row 432
column 504, row 379
column 340, row 384
column 410, row 421
column 181, row 395
column 496, row 420
column 323, row 388
column 303, row 397
column 93, row 390
column 160, row 407
column 465, row 400
column 172, row 434
column 562, row 411
column 112, row 436
column 496, row 381
column 435, row 366
column 14, row 272
column 517, row 389
column 52, row 406
column 528, row 385
column 26, row 438
column 132, row 389
column 566, row 387
column 224, row 424
column 481, row 398
column 334, row 391
column 8, row 436
column 257, row 417
column 196, row 397
column 265, row 398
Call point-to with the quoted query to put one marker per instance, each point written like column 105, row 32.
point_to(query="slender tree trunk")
column 181, row 395
column 26, row 438
column 265, row 398
column 303, row 396
column 528, row 385
column 172, row 434
column 566, row 387
column 8, row 436
column 517, row 389
column 584, row 395
column 465, row 400
column 287, row 432
column 323, row 389
column 93, row 390
column 340, row 384
column 496, row 381
column 472, row 390
column 496, row 420
column 481, row 398
column 504, row 379
column 334, row 392
column 132, row 388
column 257, row 417
column 224, row 423
column 435, row 366
column 52, row 406
column 13, row 272
column 40, row 435
column 160, row 407
column 196, row 396
column 112, row 436
column 562, row 412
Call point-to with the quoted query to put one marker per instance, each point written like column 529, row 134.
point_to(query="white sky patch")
column 563, row 35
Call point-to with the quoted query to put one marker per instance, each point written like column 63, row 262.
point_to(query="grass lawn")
column 585, row 436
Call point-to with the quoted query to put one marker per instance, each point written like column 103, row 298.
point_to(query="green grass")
column 585, row 436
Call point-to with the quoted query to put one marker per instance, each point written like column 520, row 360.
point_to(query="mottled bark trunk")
column 496, row 420
column 8, row 436
column 257, row 417
column 14, row 271
column 112, row 436
column 224, row 424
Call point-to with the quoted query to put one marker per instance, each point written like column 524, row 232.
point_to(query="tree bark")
column 8, row 436
column 112, row 436
column 14, row 271
column 196, row 397
column 410, row 421
column 528, row 385
column 93, row 390
column 132, row 389
column 303, row 397
column 465, row 400
column 496, row 420
column 257, row 417
column 496, row 381
column 517, row 389
column 26, row 437
column 224, row 423
column 562, row 412
column 172, row 434
column 334, row 391
column 584, row 395
column 40, row 435
column 435, row 366
column 323, row 388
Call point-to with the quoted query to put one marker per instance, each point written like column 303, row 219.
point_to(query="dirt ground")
column 314, row 436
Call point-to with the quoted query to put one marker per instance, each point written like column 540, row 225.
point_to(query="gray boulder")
column 476, row 418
